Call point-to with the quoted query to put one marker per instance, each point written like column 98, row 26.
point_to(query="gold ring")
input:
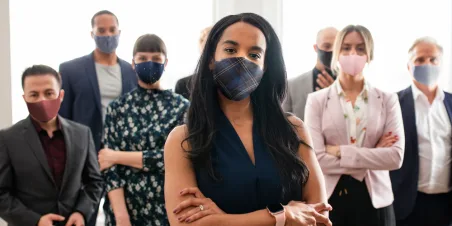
column 201, row 207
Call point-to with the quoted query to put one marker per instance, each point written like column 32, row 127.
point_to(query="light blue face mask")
column 107, row 44
column 426, row 74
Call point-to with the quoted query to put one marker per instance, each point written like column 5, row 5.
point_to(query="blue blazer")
column 405, row 180
column 82, row 101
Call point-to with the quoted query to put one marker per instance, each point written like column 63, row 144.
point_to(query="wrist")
column 116, row 157
column 278, row 211
column 122, row 215
column 338, row 152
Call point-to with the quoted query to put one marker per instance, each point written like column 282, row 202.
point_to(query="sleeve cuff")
column 112, row 179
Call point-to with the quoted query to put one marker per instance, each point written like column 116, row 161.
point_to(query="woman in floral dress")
column 136, row 128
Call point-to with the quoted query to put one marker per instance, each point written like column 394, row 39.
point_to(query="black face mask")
column 324, row 57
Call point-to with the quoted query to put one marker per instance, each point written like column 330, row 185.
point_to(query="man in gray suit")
column 49, row 173
column 318, row 78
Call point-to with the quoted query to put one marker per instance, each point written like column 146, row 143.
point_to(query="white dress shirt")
column 434, row 138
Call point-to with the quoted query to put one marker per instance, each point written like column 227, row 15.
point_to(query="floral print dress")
column 141, row 121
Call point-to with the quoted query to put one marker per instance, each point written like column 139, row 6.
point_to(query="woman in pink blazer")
column 358, row 136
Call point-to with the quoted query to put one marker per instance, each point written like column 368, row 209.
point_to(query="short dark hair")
column 103, row 12
column 149, row 43
column 40, row 70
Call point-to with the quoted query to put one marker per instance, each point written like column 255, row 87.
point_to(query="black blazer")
column 405, row 180
column 82, row 101
column 27, row 187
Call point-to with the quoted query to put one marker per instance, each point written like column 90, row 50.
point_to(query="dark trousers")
column 352, row 206
column 430, row 210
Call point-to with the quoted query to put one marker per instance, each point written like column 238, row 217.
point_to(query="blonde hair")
column 365, row 34
column 204, row 34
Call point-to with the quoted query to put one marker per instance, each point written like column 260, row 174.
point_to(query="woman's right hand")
column 387, row 140
column 302, row 214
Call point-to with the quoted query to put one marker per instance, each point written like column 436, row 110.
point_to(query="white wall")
column 269, row 9
column 5, row 67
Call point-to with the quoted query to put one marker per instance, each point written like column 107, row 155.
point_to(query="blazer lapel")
column 71, row 153
column 90, row 71
column 334, row 110
column 374, row 111
column 409, row 118
column 31, row 136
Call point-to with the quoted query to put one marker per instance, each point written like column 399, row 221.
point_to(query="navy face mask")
column 426, row 74
column 237, row 77
column 149, row 72
column 107, row 44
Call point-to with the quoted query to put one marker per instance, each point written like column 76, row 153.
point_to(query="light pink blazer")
column 325, row 120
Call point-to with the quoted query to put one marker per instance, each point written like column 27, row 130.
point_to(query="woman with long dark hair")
column 239, row 149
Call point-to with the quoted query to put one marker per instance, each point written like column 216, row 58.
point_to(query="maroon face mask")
column 45, row 110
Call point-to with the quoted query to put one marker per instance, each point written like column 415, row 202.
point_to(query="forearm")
column 118, row 203
column 257, row 218
column 130, row 158
column 332, row 165
column 387, row 158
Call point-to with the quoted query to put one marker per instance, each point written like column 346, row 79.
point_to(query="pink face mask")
column 45, row 110
column 352, row 64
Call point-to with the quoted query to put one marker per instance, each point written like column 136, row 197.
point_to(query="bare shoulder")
column 296, row 122
column 299, row 126
column 177, row 137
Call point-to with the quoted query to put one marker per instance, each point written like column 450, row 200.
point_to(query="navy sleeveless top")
column 243, row 187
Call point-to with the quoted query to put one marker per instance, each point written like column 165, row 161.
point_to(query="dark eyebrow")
column 231, row 42
column 255, row 48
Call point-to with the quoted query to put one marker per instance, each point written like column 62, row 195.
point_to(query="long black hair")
column 277, row 133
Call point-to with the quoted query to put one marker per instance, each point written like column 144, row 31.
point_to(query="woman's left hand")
column 204, row 206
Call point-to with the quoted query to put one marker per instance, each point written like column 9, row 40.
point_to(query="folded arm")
column 179, row 174
column 329, row 164
column 387, row 158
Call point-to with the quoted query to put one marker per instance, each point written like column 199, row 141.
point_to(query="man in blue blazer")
column 423, row 186
column 91, row 82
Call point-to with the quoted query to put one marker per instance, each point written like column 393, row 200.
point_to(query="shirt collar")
column 340, row 91
column 417, row 92
column 39, row 128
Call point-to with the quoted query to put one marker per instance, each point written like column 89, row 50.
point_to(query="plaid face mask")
column 237, row 77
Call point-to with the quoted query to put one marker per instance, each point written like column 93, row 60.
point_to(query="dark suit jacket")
column 27, row 187
column 405, row 180
column 82, row 101
column 183, row 87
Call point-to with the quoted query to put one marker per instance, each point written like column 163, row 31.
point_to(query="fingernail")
column 188, row 220
column 180, row 218
column 390, row 133
column 175, row 211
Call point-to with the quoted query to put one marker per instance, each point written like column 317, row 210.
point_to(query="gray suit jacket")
column 27, row 187
column 298, row 91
